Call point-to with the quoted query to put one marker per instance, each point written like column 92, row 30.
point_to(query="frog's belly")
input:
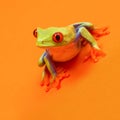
column 64, row 53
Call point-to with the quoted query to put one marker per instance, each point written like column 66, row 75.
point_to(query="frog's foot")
column 86, row 58
column 55, row 82
column 95, row 54
column 97, row 33
column 62, row 74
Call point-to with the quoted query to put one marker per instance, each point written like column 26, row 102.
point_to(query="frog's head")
column 54, row 36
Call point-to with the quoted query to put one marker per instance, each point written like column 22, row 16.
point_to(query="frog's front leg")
column 95, row 51
column 46, row 60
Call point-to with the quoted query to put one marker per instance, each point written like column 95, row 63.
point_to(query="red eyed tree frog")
column 64, row 43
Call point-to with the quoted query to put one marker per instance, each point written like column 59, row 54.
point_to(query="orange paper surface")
column 92, row 92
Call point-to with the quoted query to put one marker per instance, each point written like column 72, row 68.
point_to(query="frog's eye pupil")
column 57, row 37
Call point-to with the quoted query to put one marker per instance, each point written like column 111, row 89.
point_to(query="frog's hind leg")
column 52, row 74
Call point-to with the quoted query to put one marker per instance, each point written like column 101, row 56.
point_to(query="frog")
column 62, row 44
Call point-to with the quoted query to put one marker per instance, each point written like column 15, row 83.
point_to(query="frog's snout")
column 35, row 33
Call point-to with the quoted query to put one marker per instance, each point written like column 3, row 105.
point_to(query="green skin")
column 70, row 45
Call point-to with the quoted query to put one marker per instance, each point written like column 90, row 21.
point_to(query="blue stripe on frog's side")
column 77, row 26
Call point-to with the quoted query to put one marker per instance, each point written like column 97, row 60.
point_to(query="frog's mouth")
column 46, row 44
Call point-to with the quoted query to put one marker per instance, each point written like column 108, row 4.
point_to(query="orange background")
column 92, row 93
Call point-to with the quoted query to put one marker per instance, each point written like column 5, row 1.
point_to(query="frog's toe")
column 50, row 84
column 42, row 83
column 58, row 86
column 48, row 88
column 62, row 75
column 97, row 33
column 104, row 31
column 96, row 54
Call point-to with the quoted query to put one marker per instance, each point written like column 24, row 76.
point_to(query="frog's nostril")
column 35, row 33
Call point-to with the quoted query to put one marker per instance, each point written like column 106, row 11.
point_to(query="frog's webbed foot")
column 53, row 81
column 94, row 54
column 99, row 32
column 62, row 73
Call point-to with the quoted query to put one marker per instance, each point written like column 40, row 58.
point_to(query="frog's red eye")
column 57, row 37
column 35, row 33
